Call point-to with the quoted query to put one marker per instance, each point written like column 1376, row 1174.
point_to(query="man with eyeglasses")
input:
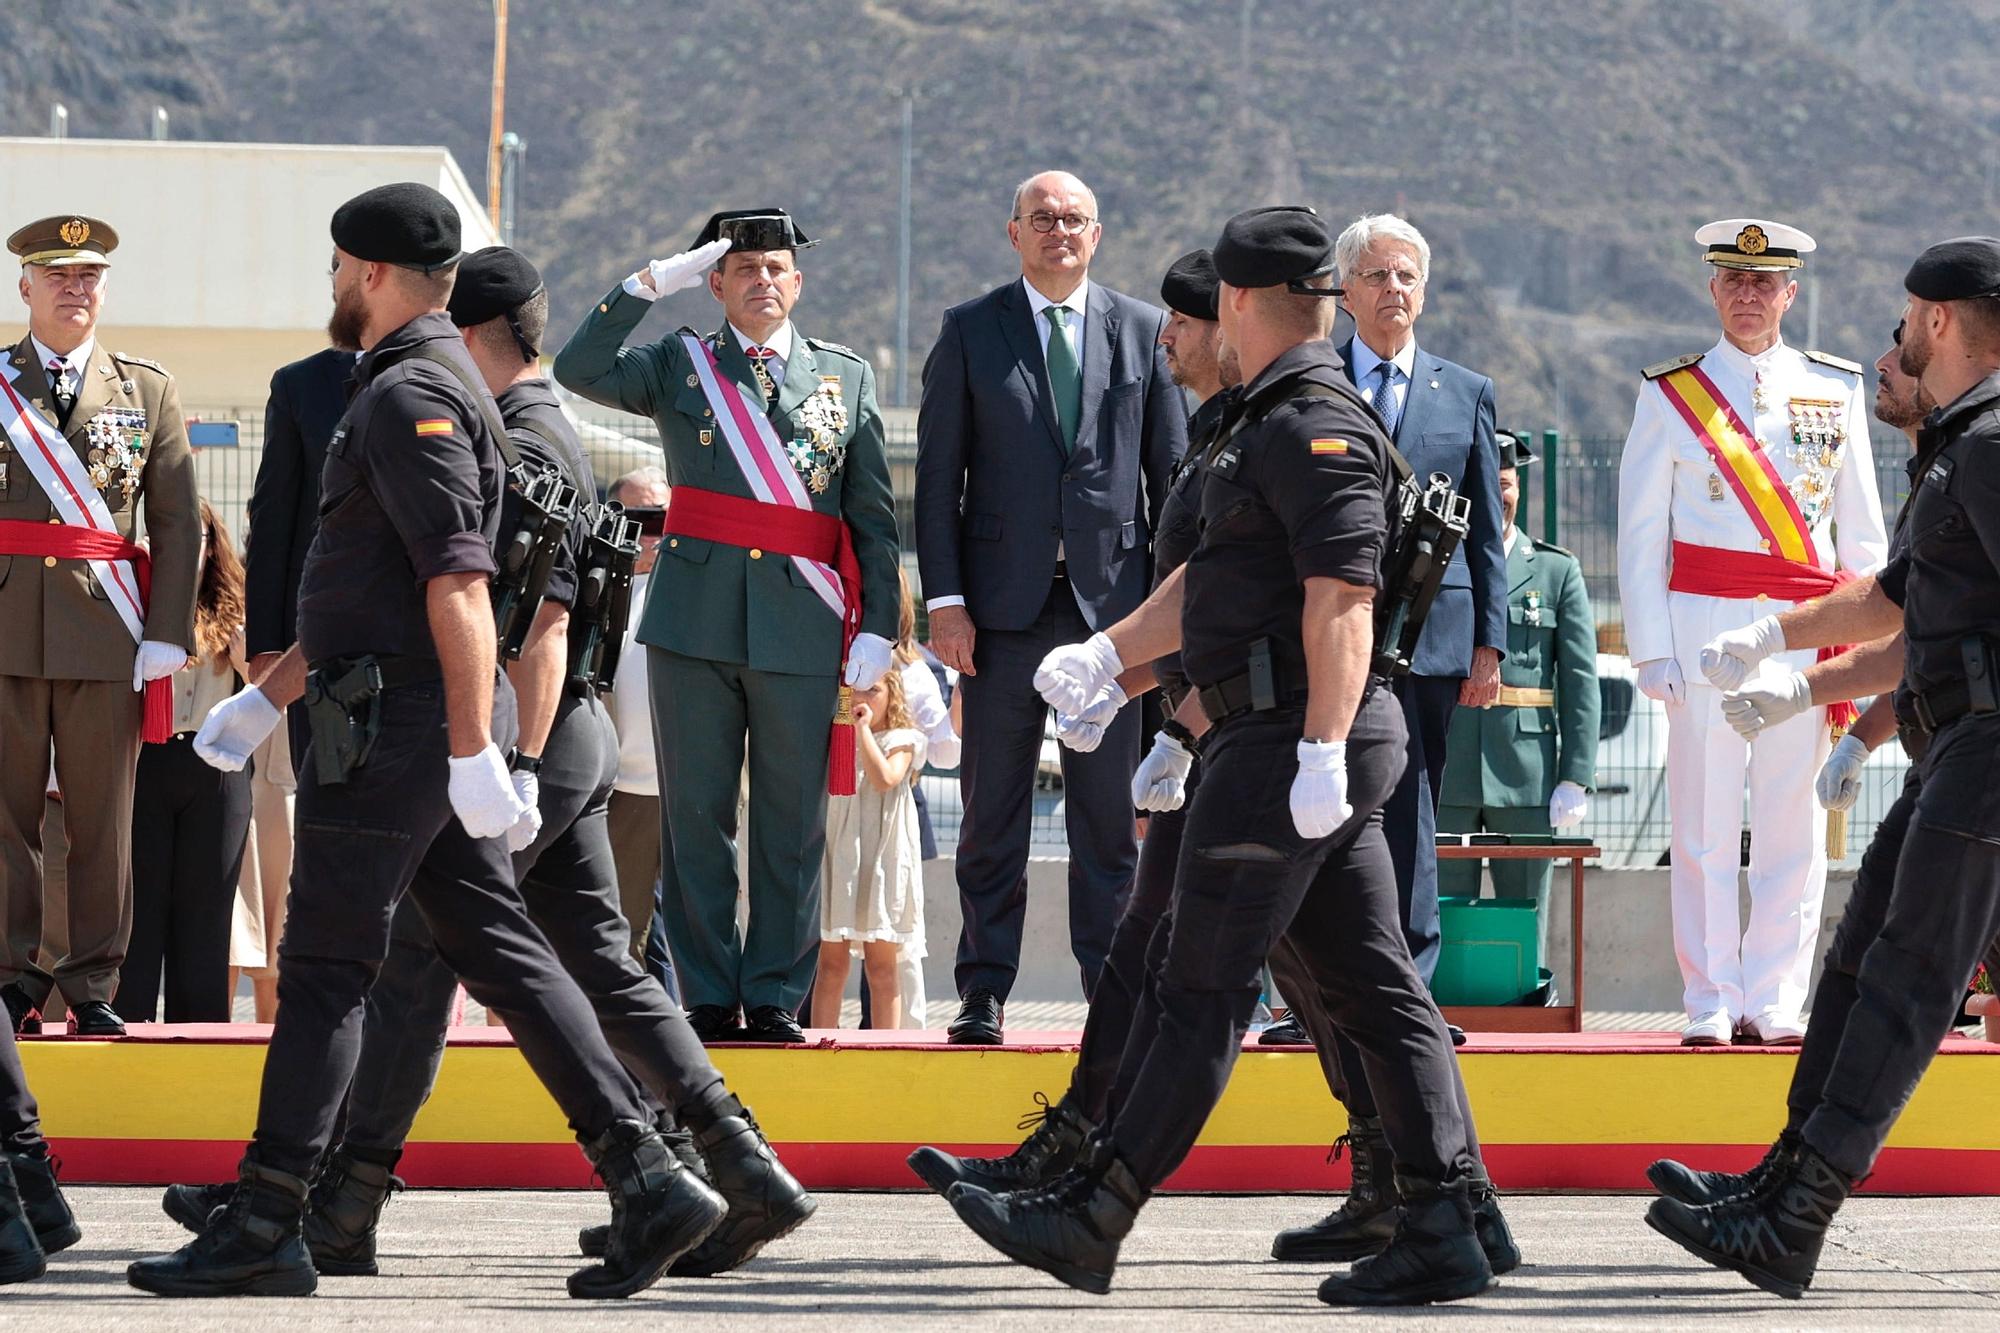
column 95, row 625
column 1048, row 430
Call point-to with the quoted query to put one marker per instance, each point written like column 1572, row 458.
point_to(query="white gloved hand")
column 1072, row 676
column 1085, row 732
column 1766, row 703
column 234, row 729
column 1661, row 679
column 868, row 661
column 1728, row 659
column 1568, row 804
column 1161, row 780
column 664, row 277
column 156, row 660
column 527, row 790
column 482, row 793
column 1319, row 792
column 1839, row 781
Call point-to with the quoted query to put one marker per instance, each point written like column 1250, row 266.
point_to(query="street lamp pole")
column 903, row 260
column 493, row 146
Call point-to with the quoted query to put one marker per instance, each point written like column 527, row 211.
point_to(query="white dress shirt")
column 780, row 345
column 1365, row 363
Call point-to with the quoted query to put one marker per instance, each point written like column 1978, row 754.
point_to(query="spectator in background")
column 259, row 922
column 190, row 821
column 1525, row 764
column 1045, row 436
column 635, row 798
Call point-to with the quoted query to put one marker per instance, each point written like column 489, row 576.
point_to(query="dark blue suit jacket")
column 995, row 491
column 307, row 400
column 1447, row 427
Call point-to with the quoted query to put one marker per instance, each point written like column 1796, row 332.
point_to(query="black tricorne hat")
column 1514, row 451
column 755, row 229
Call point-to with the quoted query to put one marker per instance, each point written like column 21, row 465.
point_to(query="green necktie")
column 1065, row 378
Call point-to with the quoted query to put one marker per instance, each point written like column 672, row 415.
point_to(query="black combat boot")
column 1366, row 1218
column 253, row 1247
column 1071, row 1229
column 590, row 1241
column 659, row 1210
column 1434, row 1256
column 21, row 1255
column 48, row 1212
column 347, row 1200
column 1059, row 1132
column 1688, row 1185
column 192, row 1205
column 1496, row 1239
column 1772, row 1237
column 765, row 1202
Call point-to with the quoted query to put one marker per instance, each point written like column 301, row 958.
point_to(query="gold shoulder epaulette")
column 1671, row 364
column 1837, row 362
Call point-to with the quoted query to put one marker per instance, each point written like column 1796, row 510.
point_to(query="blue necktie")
column 1384, row 399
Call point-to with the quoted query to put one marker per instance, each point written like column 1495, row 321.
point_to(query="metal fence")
column 1570, row 497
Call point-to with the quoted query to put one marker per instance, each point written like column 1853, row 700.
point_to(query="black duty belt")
column 396, row 671
column 1937, row 707
column 1237, row 695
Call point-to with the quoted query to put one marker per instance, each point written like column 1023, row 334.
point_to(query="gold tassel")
column 840, row 766
column 1836, row 821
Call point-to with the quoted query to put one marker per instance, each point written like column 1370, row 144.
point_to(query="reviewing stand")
column 1567, row 1017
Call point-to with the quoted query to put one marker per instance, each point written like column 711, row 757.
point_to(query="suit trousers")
column 702, row 713
column 634, row 824
column 1246, row 878
column 1518, row 880
column 569, row 883
column 94, row 725
column 362, row 844
column 1409, row 820
column 1005, row 721
column 190, row 823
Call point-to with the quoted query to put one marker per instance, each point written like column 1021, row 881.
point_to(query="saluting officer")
column 1273, row 614
column 1527, row 763
column 95, row 625
column 405, row 785
column 779, row 564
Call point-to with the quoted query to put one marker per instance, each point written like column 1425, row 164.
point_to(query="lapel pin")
column 1434, row 384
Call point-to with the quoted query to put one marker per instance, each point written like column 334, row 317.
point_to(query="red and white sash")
column 761, row 458
column 61, row 475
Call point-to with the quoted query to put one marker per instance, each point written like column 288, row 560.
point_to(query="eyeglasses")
column 1379, row 277
column 1073, row 224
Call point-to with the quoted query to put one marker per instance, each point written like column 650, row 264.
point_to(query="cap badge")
column 74, row 232
column 1752, row 240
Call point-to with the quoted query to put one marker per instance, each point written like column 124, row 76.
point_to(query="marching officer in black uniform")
column 1944, row 907
column 1273, row 615
column 35, row 1220
column 406, row 787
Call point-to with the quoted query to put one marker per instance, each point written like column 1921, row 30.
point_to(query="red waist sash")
column 66, row 542
column 1711, row 571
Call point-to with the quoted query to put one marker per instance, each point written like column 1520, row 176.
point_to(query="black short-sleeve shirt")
column 534, row 402
column 1180, row 518
column 411, row 491
column 1302, row 493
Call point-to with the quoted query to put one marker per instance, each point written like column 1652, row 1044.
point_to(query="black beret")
column 1190, row 286
column 755, row 229
column 405, row 223
column 1956, row 270
column 1271, row 247
column 492, row 282
column 1514, row 451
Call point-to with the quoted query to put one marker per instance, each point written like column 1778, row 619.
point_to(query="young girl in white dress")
column 872, row 899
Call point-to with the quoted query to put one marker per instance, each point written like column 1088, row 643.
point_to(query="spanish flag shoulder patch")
column 434, row 426
column 1329, row 446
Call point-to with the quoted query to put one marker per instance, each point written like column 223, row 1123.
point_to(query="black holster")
column 344, row 708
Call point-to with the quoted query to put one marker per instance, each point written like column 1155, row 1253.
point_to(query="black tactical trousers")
column 1942, row 912
column 1245, row 878
column 20, row 1118
column 359, row 846
column 569, row 882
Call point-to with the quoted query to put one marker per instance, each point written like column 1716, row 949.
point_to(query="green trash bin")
column 1491, row 951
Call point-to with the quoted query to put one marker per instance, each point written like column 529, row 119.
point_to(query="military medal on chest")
column 1819, row 431
column 115, row 443
column 1532, row 607
column 817, row 451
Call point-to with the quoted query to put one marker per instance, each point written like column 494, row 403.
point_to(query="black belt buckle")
column 1263, row 678
column 1926, row 719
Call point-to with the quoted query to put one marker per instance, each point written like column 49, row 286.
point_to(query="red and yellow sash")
column 1740, row 459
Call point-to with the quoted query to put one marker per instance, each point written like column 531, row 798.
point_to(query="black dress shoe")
column 978, row 1021
column 1287, row 1031
column 713, row 1022
column 23, row 1013
column 95, row 1018
column 1457, row 1033
column 772, row 1022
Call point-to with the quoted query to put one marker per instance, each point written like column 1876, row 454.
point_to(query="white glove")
column 156, row 660
column 1765, row 704
column 1568, row 804
column 482, row 793
column 1161, row 780
column 234, row 729
column 1072, row 676
column 868, row 661
column 527, row 790
column 675, row 272
column 1661, row 679
column 1728, row 659
column 1840, row 776
column 1085, row 732
column 1319, row 792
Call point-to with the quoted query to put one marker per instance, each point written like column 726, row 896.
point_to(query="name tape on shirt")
column 434, row 426
column 1329, row 446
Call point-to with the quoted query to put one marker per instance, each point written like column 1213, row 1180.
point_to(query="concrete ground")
column 497, row 1260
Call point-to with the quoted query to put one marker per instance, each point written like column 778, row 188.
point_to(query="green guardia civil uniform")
column 1502, row 762
column 739, row 644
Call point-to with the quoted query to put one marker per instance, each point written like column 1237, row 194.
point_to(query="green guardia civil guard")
column 740, row 645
